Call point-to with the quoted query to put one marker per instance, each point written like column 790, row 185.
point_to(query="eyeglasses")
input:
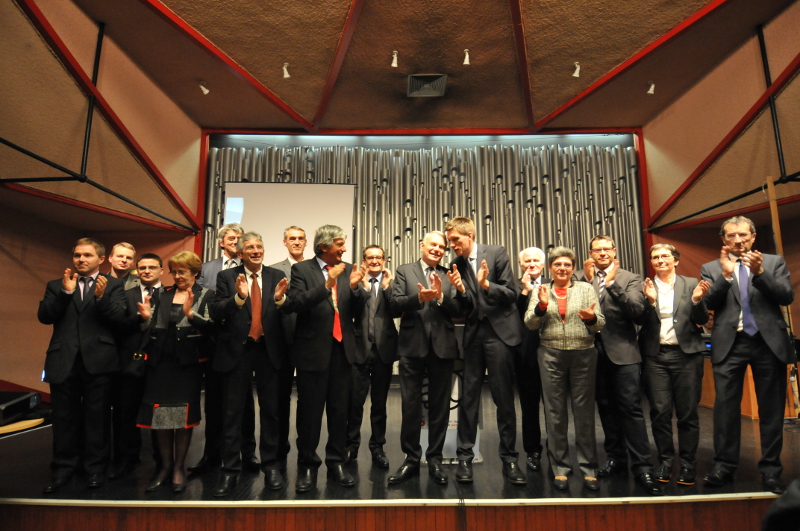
column 743, row 236
column 598, row 250
column 664, row 257
column 373, row 259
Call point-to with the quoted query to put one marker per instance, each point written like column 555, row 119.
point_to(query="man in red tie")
column 251, row 340
column 326, row 295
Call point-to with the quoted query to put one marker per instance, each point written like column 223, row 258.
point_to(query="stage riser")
column 745, row 514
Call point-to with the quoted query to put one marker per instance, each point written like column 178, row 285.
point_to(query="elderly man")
column 326, row 294
column 747, row 291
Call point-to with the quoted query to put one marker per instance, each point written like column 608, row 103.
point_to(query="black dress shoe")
column 95, row 481
column 250, row 463
column 464, row 472
column 717, row 478
column 436, row 471
column 379, row 459
column 611, row 467
column 57, row 484
column 404, row 473
column 561, row 482
column 341, row 476
column 514, row 475
column 224, row 485
column 772, row 483
column 205, row 464
column 123, row 469
column 645, row 480
column 306, row 480
column 273, row 479
column 591, row 484
column 534, row 462
column 663, row 473
column 157, row 484
column 686, row 476
column 177, row 488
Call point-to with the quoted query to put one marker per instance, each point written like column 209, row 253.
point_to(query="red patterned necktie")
column 337, row 324
column 256, row 328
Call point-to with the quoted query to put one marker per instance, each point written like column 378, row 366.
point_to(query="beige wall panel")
column 788, row 104
column 782, row 37
column 78, row 31
column 742, row 167
column 681, row 137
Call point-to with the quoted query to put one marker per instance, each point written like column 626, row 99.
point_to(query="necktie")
column 256, row 328
column 337, row 324
column 373, row 307
column 748, row 321
column 149, row 290
column 601, row 282
column 372, row 290
column 428, row 271
column 230, row 263
column 87, row 282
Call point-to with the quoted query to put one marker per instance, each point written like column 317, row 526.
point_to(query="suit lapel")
column 680, row 285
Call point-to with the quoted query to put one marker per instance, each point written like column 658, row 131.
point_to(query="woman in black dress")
column 179, row 330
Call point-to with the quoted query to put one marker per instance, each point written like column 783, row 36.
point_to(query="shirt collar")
column 292, row 261
column 661, row 284
column 93, row 276
column 474, row 253
column 321, row 262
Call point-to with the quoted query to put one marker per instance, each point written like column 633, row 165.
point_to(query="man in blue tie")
column 747, row 291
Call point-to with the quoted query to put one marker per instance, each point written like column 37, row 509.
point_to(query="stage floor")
column 25, row 457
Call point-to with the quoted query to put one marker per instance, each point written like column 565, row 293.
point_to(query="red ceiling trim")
column 72, row 66
column 778, row 85
column 726, row 215
column 202, row 192
column 93, row 207
column 522, row 60
column 341, row 50
column 633, row 60
column 179, row 24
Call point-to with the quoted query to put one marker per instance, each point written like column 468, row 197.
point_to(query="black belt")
column 670, row 347
column 252, row 341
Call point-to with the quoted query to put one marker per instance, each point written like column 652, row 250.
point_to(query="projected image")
column 234, row 209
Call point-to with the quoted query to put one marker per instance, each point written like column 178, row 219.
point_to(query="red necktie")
column 256, row 328
column 337, row 324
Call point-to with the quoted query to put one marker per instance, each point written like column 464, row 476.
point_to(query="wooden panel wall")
column 679, row 516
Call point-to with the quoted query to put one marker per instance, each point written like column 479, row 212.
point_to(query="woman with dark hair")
column 567, row 315
column 179, row 325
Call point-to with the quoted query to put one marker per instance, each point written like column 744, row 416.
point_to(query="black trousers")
column 81, row 421
column 439, row 373
column 325, row 391
column 372, row 377
column 213, row 415
column 285, row 385
column 529, row 387
column 126, row 399
column 486, row 351
column 769, row 376
column 237, row 385
column 673, row 381
column 619, row 402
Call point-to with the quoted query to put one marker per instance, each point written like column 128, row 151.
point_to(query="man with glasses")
column 747, row 291
column 619, row 390
column 672, row 350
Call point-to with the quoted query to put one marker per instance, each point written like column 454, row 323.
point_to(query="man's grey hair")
column 246, row 238
column 235, row 227
column 532, row 250
column 293, row 227
column 737, row 220
column 325, row 236
column 438, row 234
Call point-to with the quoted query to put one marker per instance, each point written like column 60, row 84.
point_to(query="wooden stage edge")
column 684, row 513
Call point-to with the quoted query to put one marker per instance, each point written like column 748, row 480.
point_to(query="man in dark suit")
column 747, row 291
column 228, row 237
column 294, row 239
column 526, row 364
column 251, row 339
column 488, row 290
column 127, row 388
column 84, row 308
column 326, row 294
column 425, row 300
column 672, row 346
column 619, row 389
column 122, row 259
column 377, row 352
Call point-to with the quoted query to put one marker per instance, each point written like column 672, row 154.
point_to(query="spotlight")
column 466, row 57
column 652, row 89
column 577, row 72
column 286, row 70
column 394, row 59
column 203, row 88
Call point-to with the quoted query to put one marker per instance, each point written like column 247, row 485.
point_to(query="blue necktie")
column 748, row 321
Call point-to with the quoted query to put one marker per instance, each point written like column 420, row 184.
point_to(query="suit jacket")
column 428, row 323
column 623, row 304
column 209, row 272
column 234, row 321
column 385, row 330
column 687, row 318
column 312, row 302
column 130, row 334
column 285, row 266
column 767, row 293
column 85, row 326
column 530, row 342
column 498, row 305
column 193, row 343
column 289, row 320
